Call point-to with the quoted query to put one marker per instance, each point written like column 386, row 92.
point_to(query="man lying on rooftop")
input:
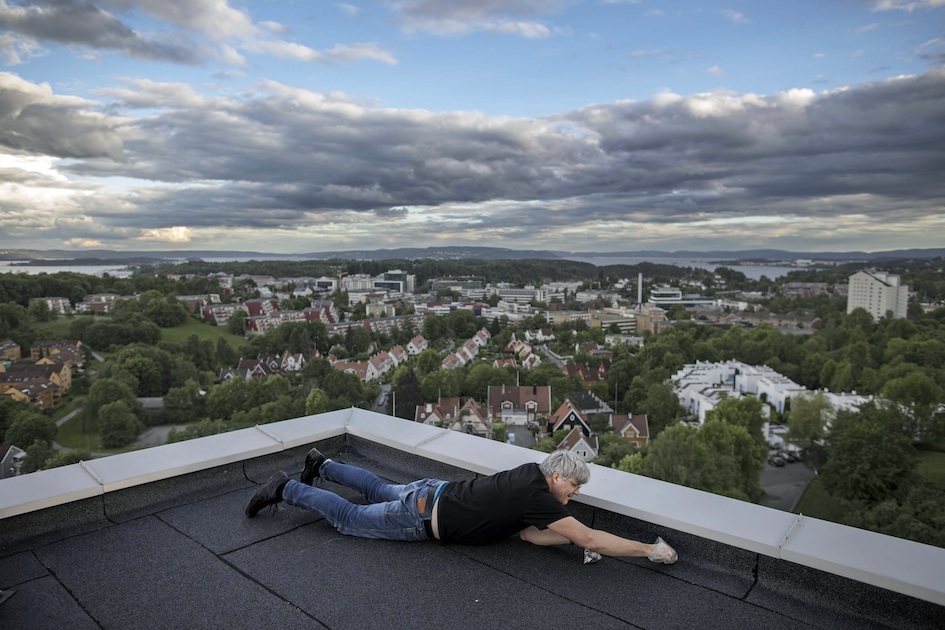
column 528, row 500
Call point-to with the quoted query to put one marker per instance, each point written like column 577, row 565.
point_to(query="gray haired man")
column 529, row 500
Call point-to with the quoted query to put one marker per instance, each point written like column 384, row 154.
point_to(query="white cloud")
column 716, row 71
column 176, row 234
column 866, row 28
column 906, row 5
column 735, row 16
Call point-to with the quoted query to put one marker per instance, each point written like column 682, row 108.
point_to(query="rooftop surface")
column 158, row 539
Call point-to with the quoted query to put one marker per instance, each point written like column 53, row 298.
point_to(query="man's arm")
column 573, row 530
column 543, row 537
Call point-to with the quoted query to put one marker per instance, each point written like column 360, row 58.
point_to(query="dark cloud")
column 83, row 23
column 282, row 157
column 34, row 121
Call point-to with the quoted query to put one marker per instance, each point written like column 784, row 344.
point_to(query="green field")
column 203, row 330
column 932, row 467
column 817, row 503
column 56, row 329
column 59, row 329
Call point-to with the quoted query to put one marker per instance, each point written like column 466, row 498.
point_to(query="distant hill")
column 774, row 254
column 100, row 256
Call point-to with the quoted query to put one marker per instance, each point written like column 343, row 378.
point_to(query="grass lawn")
column 179, row 334
column 932, row 467
column 817, row 503
column 71, row 435
column 56, row 329
column 59, row 329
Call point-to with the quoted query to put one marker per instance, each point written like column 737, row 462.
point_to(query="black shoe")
column 269, row 494
column 313, row 461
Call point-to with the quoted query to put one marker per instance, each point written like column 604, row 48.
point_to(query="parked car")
column 776, row 460
column 789, row 456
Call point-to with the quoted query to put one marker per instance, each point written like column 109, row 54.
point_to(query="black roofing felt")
column 180, row 554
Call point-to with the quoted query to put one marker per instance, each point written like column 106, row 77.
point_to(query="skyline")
column 600, row 125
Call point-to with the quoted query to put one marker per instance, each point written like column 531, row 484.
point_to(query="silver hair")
column 566, row 464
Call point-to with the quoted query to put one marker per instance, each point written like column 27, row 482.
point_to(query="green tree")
column 186, row 403
column 661, row 406
column 677, row 456
column 428, row 361
column 235, row 323
column 548, row 443
column 736, row 461
column 746, row 412
column 118, row 425
column 870, row 459
column 406, row 393
column 65, row 458
column 103, row 392
column 27, row 428
column 500, row 432
column 166, row 312
column 481, row 376
column 39, row 311
column 441, row 383
column 922, row 398
column 316, row 402
column 807, row 426
column 612, row 449
column 37, row 455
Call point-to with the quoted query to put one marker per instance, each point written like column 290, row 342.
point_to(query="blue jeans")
column 392, row 511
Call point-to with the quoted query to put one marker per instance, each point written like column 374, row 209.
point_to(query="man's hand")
column 663, row 554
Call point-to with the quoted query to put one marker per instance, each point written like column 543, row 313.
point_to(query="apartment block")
column 878, row 293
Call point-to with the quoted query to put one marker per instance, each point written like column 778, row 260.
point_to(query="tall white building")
column 877, row 292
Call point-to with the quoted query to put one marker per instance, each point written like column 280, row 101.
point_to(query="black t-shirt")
column 488, row 509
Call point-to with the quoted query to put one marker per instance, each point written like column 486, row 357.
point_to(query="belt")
column 425, row 505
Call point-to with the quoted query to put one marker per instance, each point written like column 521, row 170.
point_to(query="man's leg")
column 374, row 489
column 396, row 519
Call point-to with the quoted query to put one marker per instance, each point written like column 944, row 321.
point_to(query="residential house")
column 635, row 428
column 57, row 373
column 40, row 392
column 246, row 370
column 378, row 365
column 541, row 336
column 451, row 362
column 568, row 416
column 292, row 361
column 399, row 355
column 70, row 350
column 590, row 405
column 259, row 306
column 10, row 459
column 358, row 368
column 520, row 405
column 504, row 363
column 58, row 305
column 473, row 419
column 531, row 362
column 220, row 314
column 417, row 345
column 99, row 303
column 441, row 413
column 9, row 351
column 584, row 446
column 585, row 374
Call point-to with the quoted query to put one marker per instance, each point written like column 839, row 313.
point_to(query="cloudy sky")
column 578, row 125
